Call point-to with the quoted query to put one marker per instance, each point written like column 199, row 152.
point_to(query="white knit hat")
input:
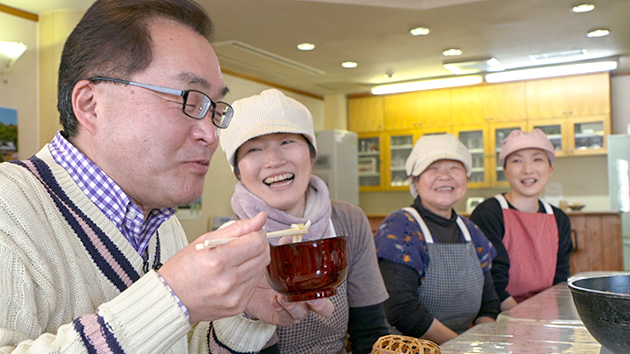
column 431, row 148
column 268, row 113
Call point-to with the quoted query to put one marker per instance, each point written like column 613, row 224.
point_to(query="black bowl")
column 603, row 304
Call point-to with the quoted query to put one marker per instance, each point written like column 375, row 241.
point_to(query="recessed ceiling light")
column 452, row 52
column 349, row 64
column 306, row 46
column 600, row 32
column 583, row 8
column 419, row 31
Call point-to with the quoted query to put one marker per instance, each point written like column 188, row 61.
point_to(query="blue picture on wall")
column 8, row 134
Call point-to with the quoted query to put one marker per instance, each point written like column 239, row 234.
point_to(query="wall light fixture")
column 9, row 54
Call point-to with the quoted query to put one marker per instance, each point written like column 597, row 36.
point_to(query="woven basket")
column 395, row 344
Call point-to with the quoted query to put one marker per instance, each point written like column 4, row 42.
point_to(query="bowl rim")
column 310, row 241
column 573, row 286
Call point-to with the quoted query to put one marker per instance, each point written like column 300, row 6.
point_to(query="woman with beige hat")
column 435, row 263
column 532, row 237
column 271, row 147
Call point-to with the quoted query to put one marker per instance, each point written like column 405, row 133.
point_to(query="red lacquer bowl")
column 310, row 269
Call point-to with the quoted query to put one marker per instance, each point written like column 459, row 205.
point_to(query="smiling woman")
column 436, row 263
column 271, row 147
column 532, row 237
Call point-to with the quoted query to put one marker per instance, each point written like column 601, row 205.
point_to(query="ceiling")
column 258, row 38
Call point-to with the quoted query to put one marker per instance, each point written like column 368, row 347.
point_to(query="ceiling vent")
column 471, row 66
column 559, row 55
column 244, row 58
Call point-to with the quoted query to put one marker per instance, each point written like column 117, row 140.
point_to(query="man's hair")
column 112, row 39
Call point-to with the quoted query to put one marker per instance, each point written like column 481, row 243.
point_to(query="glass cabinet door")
column 588, row 136
column 499, row 135
column 369, row 161
column 400, row 147
column 473, row 140
column 557, row 132
column 554, row 133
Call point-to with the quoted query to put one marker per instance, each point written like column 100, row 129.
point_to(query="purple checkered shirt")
column 110, row 199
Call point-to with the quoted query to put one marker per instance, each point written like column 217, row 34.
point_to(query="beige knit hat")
column 268, row 113
column 431, row 148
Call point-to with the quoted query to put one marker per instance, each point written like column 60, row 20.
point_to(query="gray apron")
column 453, row 282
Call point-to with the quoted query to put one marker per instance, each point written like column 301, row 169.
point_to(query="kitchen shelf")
column 401, row 147
column 369, row 174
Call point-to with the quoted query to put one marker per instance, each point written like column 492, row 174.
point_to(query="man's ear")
column 84, row 105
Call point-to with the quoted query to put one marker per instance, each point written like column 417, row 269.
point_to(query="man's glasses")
column 196, row 103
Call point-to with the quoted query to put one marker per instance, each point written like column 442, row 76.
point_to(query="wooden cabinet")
column 588, row 135
column 498, row 132
column 576, row 136
column 416, row 110
column 370, row 162
column 382, row 158
column 365, row 114
column 557, row 130
column 570, row 96
column 489, row 103
column 574, row 111
column 484, row 143
column 476, row 139
column 596, row 240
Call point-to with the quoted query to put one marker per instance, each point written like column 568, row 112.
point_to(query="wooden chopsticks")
column 296, row 230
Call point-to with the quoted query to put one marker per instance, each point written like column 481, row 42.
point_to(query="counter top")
column 568, row 212
column 546, row 323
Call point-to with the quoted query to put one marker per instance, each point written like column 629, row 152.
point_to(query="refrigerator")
column 619, row 186
column 338, row 163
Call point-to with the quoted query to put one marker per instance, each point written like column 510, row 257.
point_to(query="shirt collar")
column 107, row 195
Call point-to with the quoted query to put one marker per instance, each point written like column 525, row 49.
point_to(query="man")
column 87, row 222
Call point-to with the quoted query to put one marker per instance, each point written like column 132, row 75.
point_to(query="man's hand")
column 219, row 282
column 269, row 306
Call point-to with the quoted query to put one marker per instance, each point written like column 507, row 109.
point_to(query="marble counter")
column 546, row 323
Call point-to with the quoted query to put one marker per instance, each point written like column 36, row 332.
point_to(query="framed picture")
column 368, row 165
column 8, row 134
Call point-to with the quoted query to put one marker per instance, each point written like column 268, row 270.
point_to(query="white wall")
column 20, row 91
column 620, row 104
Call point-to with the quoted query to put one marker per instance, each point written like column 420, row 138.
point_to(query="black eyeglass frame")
column 220, row 119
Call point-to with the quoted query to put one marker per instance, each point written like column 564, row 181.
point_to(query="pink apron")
column 531, row 241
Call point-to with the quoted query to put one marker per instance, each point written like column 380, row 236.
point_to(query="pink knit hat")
column 519, row 140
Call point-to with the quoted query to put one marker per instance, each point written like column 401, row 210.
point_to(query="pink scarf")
column 318, row 209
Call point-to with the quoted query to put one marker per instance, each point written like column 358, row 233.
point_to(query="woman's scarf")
column 318, row 209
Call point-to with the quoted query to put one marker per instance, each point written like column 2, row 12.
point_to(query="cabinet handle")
column 575, row 239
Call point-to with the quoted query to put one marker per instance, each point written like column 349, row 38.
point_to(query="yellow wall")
column 18, row 89
column 54, row 28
